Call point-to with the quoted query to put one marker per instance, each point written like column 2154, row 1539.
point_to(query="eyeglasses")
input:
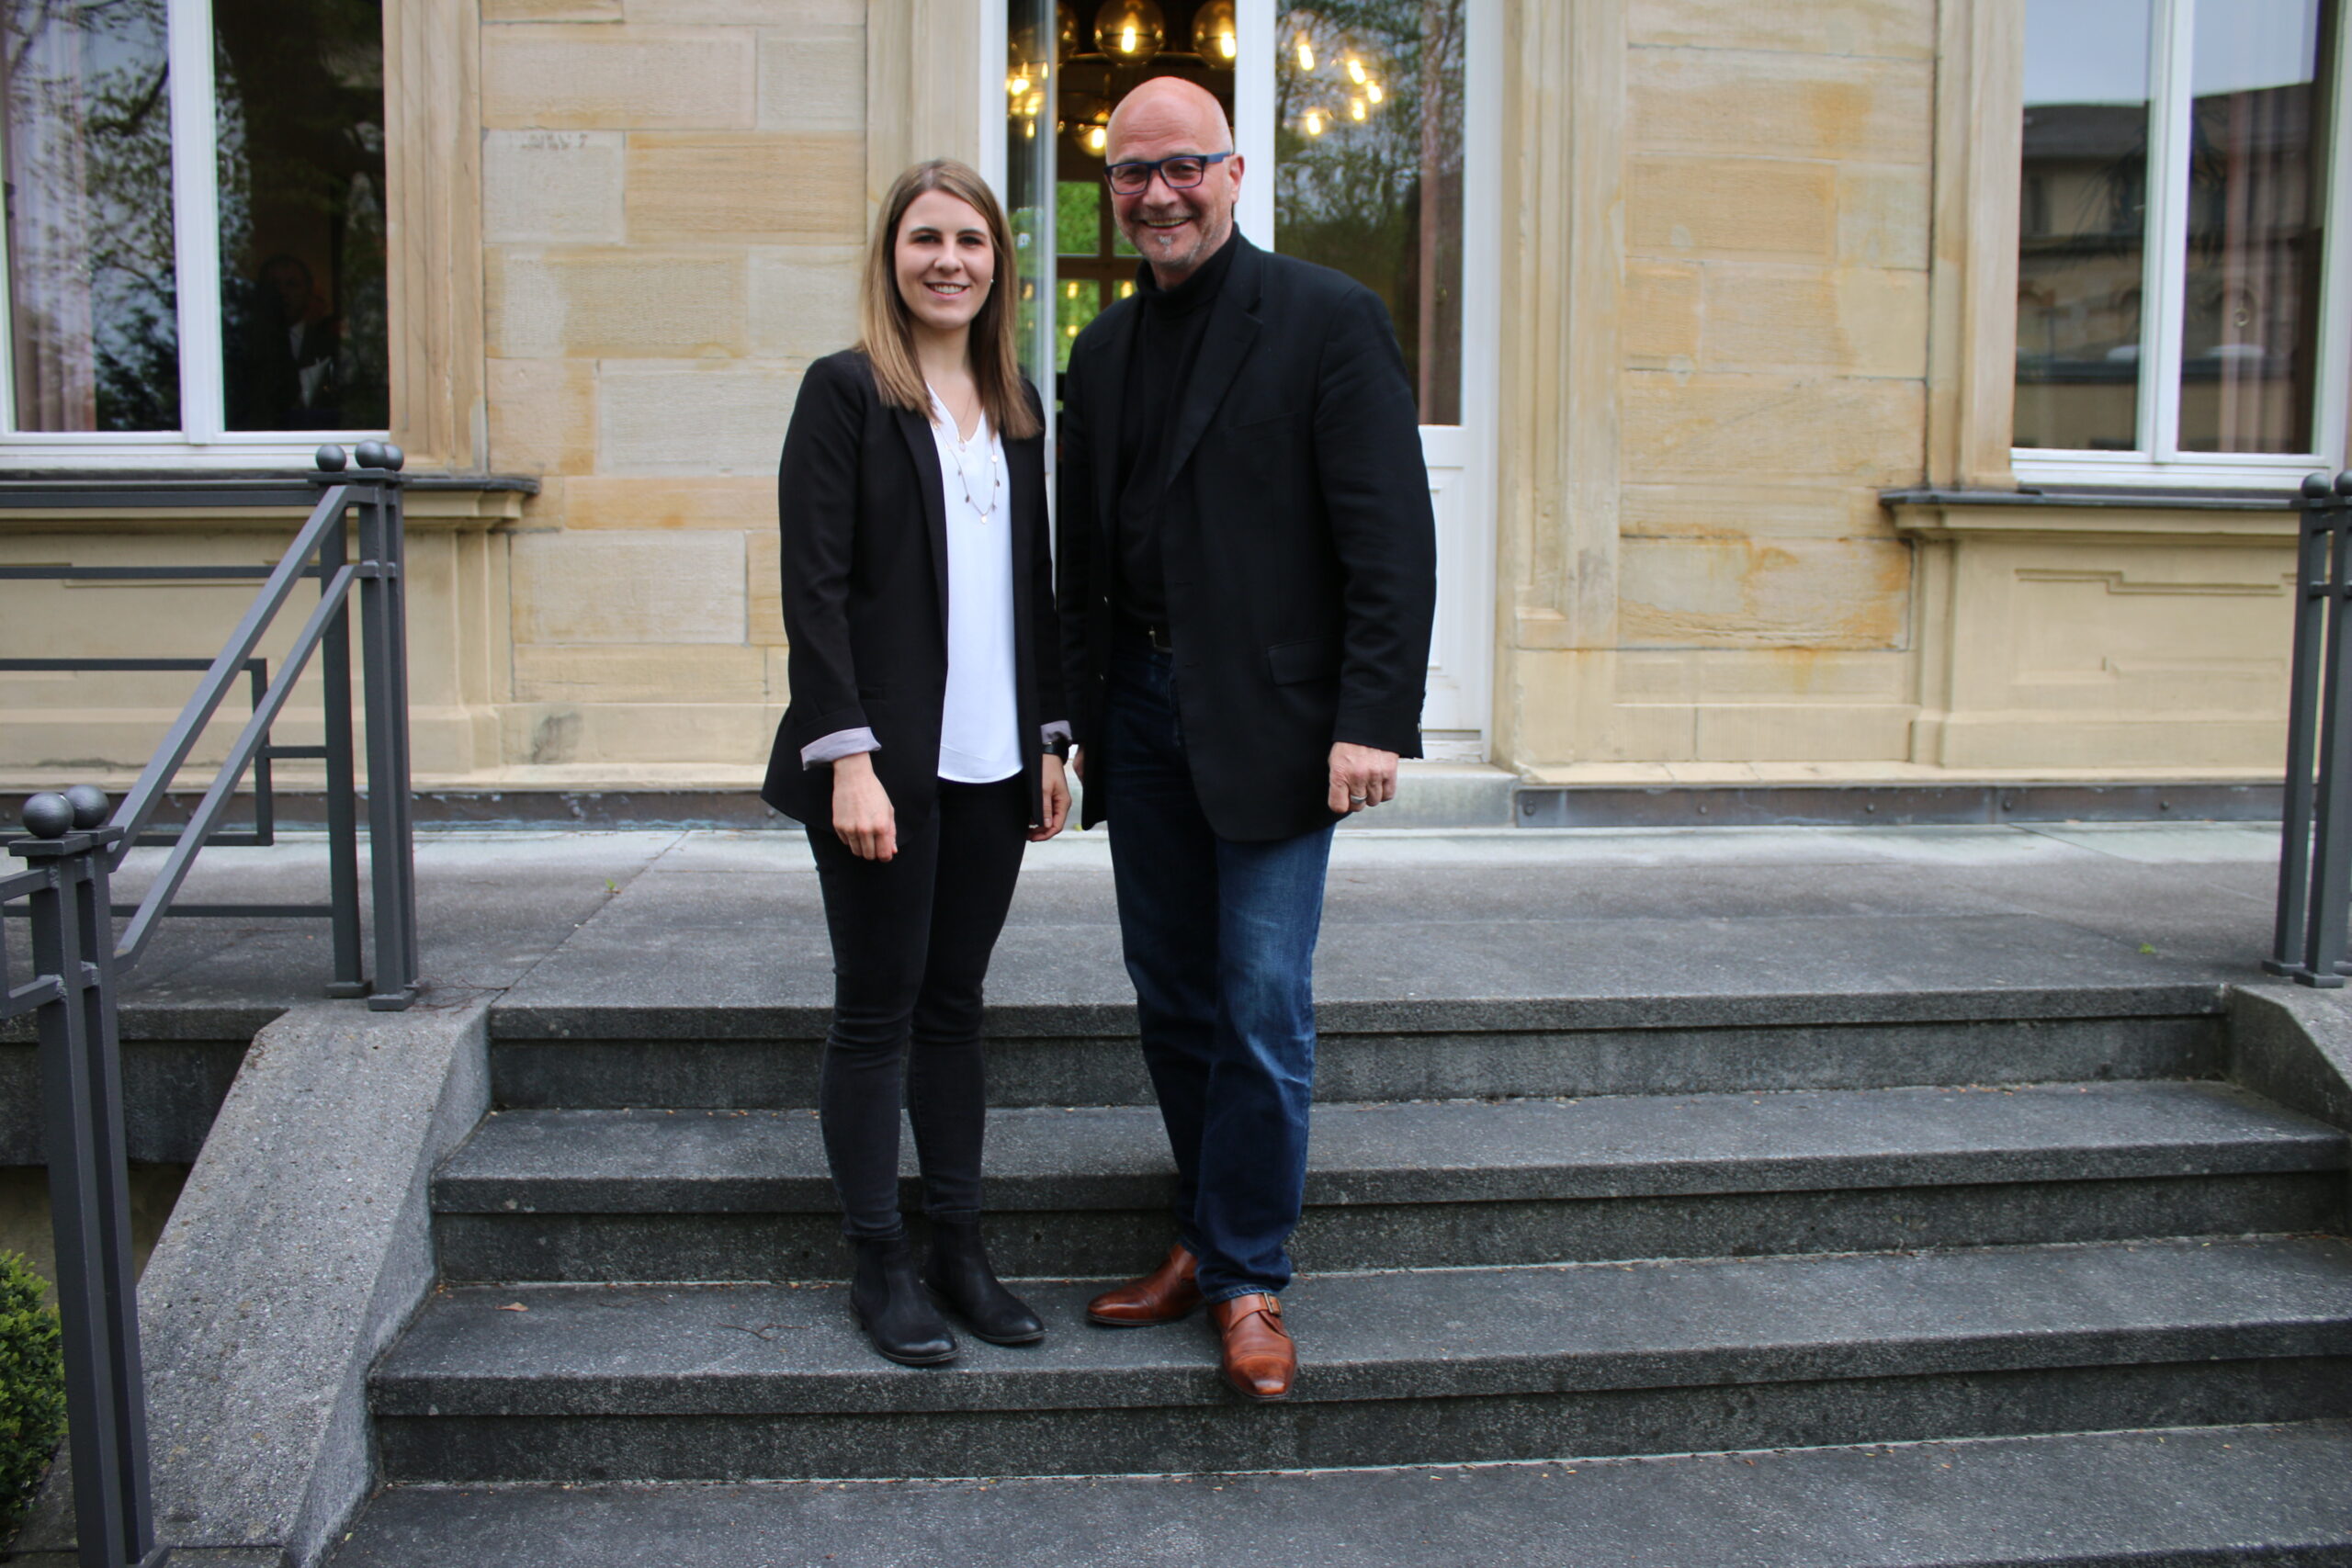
column 1182, row 172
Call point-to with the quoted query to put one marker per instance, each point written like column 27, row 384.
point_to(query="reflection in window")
column 1368, row 167
column 2251, row 310
column 2083, row 223
column 300, row 115
column 94, row 332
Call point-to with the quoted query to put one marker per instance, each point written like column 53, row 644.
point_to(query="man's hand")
column 1056, row 789
column 1078, row 762
column 862, row 814
column 1361, row 776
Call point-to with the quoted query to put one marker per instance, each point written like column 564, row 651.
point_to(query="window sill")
column 97, row 499
column 2106, row 512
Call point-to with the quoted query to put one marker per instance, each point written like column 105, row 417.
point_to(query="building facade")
column 1836, row 390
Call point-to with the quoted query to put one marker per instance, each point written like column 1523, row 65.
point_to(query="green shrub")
column 33, row 1387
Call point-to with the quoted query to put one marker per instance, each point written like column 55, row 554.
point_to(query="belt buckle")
column 1158, row 637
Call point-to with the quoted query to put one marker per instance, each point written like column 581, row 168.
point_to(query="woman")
column 923, row 745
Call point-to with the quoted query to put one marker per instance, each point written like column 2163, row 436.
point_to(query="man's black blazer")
column 865, row 560
column 1300, row 552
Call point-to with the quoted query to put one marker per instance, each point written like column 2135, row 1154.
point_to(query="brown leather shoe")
column 1165, row 1295
column 1259, row 1359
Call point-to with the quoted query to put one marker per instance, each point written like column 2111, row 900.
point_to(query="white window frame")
column 201, row 441
column 2164, row 281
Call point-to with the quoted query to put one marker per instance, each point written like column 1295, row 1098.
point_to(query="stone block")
column 804, row 300
column 607, row 78
column 1902, row 30
column 1791, row 105
column 553, row 187
column 812, row 83
column 1766, row 209
column 617, row 304
column 1882, row 216
column 799, row 17
column 774, row 189
column 1745, row 593
column 639, row 674
column 542, row 415
column 551, row 10
column 1803, row 732
column 779, row 675
column 1662, row 319
column 602, row 501
column 669, row 733
column 693, row 423
column 1860, row 320
column 628, row 588
column 1868, row 432
column 1686, row 508
column 763, row 572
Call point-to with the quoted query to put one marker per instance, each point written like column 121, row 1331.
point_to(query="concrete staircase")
column 2098, row 1298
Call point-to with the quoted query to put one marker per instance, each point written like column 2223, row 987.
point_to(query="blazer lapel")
column 924, row 447
column 1231, row 331
column 1110, row 395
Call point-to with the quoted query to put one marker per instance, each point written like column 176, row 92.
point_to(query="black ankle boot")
column 888, row 1302
column 958, row 1272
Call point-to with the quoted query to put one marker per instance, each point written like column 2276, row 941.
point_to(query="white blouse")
column 979, row 726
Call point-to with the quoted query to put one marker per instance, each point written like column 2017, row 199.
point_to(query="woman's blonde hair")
column 886, row 327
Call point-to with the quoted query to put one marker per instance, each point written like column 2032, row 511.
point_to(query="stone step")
column 639, row 1195
column 1444, row 1366
column 766, row 1058
column 2194, row 1497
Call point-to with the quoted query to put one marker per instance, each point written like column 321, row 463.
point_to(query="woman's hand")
column 862, row 816
column 1056, row 789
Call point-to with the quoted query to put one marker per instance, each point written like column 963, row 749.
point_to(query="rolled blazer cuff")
column 839, row 744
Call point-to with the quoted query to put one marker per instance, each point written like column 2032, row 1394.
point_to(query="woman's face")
column 944, row 261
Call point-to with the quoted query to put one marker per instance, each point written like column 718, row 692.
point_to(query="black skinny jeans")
column 911, row 938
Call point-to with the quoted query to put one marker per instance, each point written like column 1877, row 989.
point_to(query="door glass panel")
column 300, row 114
column 2251, row 307
column 1030, row 68
column 1106, row 49
column 1368, row 167
column 92, row 298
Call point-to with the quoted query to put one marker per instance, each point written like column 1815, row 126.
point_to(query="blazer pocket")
column 1315, row 659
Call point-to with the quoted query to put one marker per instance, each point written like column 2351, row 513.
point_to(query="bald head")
column 1176, row 229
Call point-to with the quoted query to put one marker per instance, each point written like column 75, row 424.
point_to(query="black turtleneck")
column 1168, row 327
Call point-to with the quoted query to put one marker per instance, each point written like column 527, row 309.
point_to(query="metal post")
column 2331, row 878
column 343, row 800
column 2315, row 533
column 384, row 673
column 89, row 1180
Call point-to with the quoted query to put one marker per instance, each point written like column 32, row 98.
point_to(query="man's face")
column 1175, row 230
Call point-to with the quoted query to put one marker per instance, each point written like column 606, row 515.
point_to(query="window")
column 195, row 227
column 2181, row 297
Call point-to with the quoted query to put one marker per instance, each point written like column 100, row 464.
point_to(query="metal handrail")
column 2315, row 837
column 76, row 845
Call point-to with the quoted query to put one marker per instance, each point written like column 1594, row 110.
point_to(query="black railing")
column 2316, row 840
column 352, row 544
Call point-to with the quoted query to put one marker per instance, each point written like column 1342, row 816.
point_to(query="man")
column 1247, row 573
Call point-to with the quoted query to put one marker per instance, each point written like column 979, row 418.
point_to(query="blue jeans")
column 1220, row 943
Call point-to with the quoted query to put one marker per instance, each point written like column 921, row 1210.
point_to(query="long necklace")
column 988, row 464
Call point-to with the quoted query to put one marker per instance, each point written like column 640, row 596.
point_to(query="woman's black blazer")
column 865, row 561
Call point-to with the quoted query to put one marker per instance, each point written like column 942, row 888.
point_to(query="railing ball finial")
column 2318, row 487
column 370, row 454
column 394, row 457
column 48, row 815
column 2344, row 482
column 90, row 805
column 330, row 458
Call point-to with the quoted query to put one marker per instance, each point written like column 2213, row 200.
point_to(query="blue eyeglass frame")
column 1159, row 167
